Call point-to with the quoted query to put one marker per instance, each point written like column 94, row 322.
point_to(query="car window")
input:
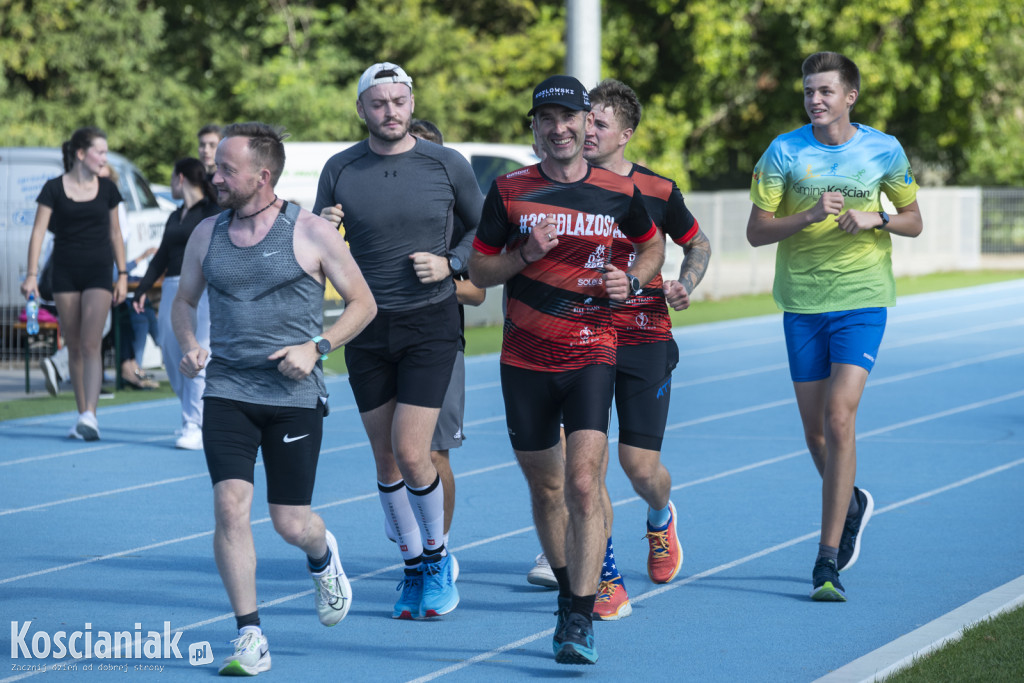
column 124, row 187
column 487, row 168
column 146, row 196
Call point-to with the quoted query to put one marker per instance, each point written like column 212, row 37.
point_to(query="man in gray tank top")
column 399, row 198
column 264, row 262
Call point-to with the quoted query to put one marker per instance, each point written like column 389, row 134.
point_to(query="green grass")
column 992, row 651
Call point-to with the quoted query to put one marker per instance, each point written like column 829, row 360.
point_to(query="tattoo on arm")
column 695, row 262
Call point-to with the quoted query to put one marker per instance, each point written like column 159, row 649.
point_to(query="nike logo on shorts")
column 289, row 439
column 270, row 253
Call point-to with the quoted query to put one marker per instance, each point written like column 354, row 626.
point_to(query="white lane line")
column 90, row 496
column 654, row 592
column 537, row 636
column 947, row 629
column 720, row 475
column 742, row 374
column 77, row 451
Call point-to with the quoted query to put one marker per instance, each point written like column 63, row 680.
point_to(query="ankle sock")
column 318, row 565
column 247, row 621
column 658, row 519
column 828, row 552
column 583, row 604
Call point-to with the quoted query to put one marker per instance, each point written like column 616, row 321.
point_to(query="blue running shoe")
column 577, row 636
column 826, row 582
column 562, row 613
column 849, row 542
column 408, row 605
column 440, row 596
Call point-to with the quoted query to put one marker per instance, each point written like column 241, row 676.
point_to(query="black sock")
column 562, row 577
column 583, row 604
column 251, row 619
column 318, row 565
column 434, row 555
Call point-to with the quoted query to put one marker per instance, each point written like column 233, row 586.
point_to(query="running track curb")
column 946, row 629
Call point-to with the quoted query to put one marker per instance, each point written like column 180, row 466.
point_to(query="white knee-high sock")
column 399, row 513
column 428, row 505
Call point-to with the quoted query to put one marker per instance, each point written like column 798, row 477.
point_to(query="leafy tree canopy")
column 718, row 78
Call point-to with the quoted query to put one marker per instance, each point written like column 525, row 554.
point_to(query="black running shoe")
column 577, row 636
column 562, row 613
column 826, row 582
column 849, row 542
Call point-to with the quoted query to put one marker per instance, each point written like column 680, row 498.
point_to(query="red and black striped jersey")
column 558, row 315
column 644, row 318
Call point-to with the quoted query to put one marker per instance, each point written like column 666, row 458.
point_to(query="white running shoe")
column 333, row 595
column 541, row 574
column 51, row 376
column 191, row 438
column 87, row 428
column 251, row 656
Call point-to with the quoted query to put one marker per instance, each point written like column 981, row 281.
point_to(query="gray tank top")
column 260, row 301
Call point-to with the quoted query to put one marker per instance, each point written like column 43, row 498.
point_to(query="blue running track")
column 119, row 532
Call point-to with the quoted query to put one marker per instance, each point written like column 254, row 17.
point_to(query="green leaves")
column 718, row 78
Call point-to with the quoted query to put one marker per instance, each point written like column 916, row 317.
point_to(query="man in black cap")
column 546, row 233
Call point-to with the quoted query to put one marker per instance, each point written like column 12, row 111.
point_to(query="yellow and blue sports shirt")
column 821, row 268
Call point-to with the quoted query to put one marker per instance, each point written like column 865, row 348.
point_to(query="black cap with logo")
column 562, row 90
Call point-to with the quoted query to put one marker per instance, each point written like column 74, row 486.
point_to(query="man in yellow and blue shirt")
column 817, row 194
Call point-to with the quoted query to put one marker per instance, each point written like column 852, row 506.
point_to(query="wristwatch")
column 455, row 264
column 634, row 284
column 885, row 219
column 323, row 346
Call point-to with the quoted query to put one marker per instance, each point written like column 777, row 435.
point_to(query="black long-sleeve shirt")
column 169, row 255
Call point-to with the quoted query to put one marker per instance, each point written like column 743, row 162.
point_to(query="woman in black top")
column 80, row 209
column 188, row 183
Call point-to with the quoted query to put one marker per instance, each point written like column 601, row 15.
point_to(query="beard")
column 388, row 134
column 229, row 199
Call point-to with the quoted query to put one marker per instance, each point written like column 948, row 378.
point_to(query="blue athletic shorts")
column 816, row 340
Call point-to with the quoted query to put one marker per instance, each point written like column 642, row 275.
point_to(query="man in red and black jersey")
column 546, row 232
column 647, row 352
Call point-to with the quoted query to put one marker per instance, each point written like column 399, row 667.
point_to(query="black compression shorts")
column 643, row 384
column 536, row 401
column 290, row 438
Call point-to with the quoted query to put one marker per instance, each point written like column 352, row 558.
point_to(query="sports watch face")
column 455, row 263
column 323, row 346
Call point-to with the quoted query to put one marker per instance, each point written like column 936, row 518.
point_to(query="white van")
column 305, row 160
column 23, row 171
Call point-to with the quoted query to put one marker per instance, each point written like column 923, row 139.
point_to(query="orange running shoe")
column 666, row 555
column 612, row 602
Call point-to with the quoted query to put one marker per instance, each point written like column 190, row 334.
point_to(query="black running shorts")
column 233, row 431
column 643, row 384
column 405, row 354
column 536, row 401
